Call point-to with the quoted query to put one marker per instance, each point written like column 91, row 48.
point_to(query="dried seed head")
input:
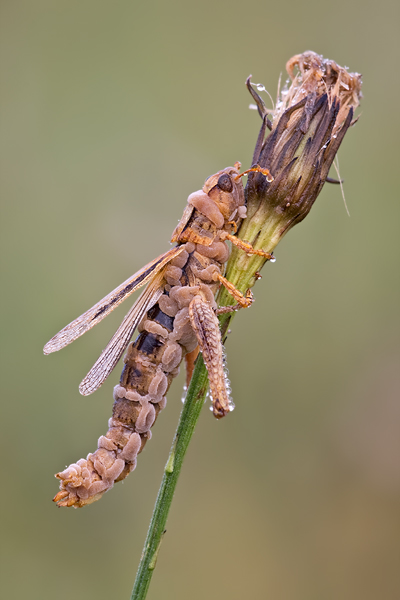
column 308, row 124
column 313, row 112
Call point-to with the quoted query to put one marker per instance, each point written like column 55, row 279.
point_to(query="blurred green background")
column 112, row 113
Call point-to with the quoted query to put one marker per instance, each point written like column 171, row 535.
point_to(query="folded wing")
column 120, row 340
column 103, row 308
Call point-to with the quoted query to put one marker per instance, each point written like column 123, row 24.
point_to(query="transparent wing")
column 120, row 340
column 100, row 310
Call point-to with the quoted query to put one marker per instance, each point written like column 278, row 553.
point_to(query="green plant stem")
column 190, row 413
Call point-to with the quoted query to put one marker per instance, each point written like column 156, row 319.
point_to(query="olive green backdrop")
column 112, row 113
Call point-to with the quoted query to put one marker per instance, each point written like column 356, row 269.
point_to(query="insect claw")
column 249, row 296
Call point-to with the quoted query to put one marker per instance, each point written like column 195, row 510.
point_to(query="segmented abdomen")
column 151, row 362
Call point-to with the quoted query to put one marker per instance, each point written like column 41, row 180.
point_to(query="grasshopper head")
column 226, row 190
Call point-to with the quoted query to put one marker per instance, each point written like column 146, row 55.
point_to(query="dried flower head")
column 308, row 124
column 306, row 128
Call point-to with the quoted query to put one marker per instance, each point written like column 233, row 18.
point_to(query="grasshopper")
column 176, row 316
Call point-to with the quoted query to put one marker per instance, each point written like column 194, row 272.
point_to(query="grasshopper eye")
column 225, row 183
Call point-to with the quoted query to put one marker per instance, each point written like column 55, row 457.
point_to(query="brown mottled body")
column 180, row 317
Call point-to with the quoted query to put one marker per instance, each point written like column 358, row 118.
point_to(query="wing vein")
column 120, row 340
column 107, row 304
